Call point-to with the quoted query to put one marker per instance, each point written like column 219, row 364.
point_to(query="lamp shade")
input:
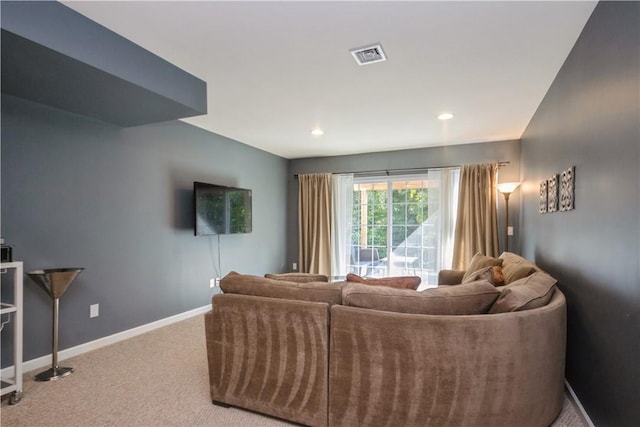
column 508, row 187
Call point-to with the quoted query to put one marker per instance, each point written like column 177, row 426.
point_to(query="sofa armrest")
column 270, row 355
column 450, row 277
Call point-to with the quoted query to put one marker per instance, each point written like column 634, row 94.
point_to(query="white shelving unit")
column 13, row 309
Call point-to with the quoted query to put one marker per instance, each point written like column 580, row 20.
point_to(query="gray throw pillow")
column 527, row 293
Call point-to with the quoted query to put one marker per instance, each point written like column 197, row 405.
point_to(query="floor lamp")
column 506, row 188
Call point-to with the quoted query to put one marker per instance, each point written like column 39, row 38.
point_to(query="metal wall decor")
column 558, row 192
column 543, row 197
column 552, row 191
column 567, row 189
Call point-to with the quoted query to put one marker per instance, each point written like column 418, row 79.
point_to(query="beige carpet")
column 156, row 379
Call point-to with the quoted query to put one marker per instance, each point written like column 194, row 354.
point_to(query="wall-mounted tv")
column 221, row 210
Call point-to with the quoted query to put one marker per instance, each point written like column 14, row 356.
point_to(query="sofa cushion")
column 525, row 294
column 480, row 261
column 515, row 267
column 513, row 273
column 492, row 274
column 450, row 277
column 469, row 298
column 234, row 283
column 400, row 282
column 298, row 277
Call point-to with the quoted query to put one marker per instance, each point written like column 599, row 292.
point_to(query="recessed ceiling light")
column 317, row 132
column 445, row 116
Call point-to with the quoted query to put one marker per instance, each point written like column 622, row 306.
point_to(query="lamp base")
column 52, row 374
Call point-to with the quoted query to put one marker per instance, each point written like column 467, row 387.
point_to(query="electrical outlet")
column 215, row 282
column 94, row 310
column 295, row 266
column 509, row 231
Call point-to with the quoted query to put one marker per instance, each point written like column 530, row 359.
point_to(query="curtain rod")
column 388, row 172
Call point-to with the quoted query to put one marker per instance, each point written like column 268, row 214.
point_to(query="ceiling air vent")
column 369, row 54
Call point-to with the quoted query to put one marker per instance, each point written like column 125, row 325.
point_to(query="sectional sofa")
column 487, row 348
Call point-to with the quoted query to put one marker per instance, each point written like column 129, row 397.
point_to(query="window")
column 404, row 225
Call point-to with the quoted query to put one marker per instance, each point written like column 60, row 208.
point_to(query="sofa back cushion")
column 470, row 298
column 525, row 294
column 298, row 277
column 515, row 267
column 234, row 283
column 478, row 262
column 492, row 274
column 400, row 282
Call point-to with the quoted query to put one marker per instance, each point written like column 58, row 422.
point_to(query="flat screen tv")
column 221, row 210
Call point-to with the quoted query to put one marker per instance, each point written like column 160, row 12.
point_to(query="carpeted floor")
column 156, row 379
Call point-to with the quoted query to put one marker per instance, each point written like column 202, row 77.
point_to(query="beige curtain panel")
column 477, row 219
column 314, row 223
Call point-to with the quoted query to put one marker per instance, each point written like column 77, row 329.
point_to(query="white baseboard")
column 578, row 404
column 45, row 361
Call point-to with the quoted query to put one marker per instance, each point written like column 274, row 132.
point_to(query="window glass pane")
column 399, row 214
column 382, row 252
column 391, row 215
column 399, row 196
column 377, row 196
column 356, row 197
column 377, row 238
column 414, row 213
column 399, row 235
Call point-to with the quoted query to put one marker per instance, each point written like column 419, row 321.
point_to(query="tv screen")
column 221, row 210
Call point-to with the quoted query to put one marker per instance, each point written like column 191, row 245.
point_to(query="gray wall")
column 455, row 155
column 78, row 192
column 590, row 119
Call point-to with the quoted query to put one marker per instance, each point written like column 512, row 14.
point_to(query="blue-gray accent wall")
column 77, row 192
column 590, row 119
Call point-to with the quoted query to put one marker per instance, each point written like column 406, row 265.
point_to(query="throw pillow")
column 469, row 298
column 450, row 277
column 515, row 267
column 527, row 293
column 498, row 277
column 480, row 261
column 491, row 274
column 400, row 282
column 298, row 277
column 515, row 272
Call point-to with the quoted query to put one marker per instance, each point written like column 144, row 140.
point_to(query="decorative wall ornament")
column 543, row 197
column 567, row 189
column 558, row 192
column 552, row 191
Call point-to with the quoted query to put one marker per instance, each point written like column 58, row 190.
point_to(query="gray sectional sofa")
column 478, row 353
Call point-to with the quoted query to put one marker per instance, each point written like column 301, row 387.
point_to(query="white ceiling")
column 276, row 70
